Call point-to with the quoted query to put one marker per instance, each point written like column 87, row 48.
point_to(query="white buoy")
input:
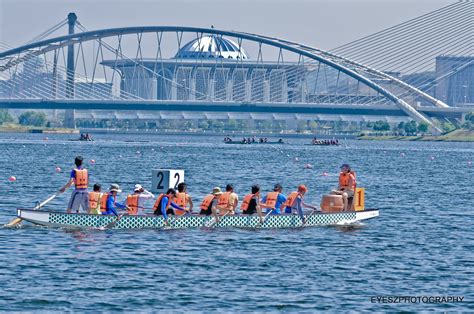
column 325, row 174
column 58, row 169
column 92, row 161
column 308, row 166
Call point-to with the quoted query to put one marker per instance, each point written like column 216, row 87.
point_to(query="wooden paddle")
column 111, row 224
column 214, row 221
column 265, row 218
column 17, row 220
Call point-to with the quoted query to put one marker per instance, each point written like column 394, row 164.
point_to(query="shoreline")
column 460, row 135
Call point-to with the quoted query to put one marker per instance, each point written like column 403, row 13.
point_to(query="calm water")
column 421, row 245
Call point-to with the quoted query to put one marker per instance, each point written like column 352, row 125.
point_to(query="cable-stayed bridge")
column 419, row 69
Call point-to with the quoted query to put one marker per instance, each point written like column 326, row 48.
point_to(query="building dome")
column 211, row 46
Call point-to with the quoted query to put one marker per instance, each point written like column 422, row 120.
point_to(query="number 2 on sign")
column 160, row 182
column 177, row 181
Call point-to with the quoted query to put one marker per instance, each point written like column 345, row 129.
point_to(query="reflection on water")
column 420, row 245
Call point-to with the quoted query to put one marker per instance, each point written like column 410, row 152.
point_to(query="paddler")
column 183, row 199
column 275, row 200
column 111, row 204
column 135, row 202
column 251, row 203
column 79, row 197
column 294, row 202
column 347, row 184
column 94, row 200
column 228, row 201
column 163, row 203
column 209, row 203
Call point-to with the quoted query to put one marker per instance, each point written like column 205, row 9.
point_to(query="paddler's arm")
column 190, row 201
column 299, row 209
column 146, row 194
column 68, row 184
column 308, row 205
column 174, row 205
column 164, row 201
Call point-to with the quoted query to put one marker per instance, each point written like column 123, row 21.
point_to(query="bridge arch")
column 361, row 73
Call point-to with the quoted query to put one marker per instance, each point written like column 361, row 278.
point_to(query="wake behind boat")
column 88, row 221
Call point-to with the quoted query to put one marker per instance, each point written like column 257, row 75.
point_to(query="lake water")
column 421, row 245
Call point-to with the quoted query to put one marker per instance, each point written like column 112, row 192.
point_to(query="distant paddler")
column 163, row 205
column 275, row 201
column 347, row 185
column 79, row 197
column 294, row 202
column 135, row 202
column 183, row 199
column 111, row 204
column 251, row 203
column 228, row 201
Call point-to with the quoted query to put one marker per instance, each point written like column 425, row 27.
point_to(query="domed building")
column 211, row 46
column 212, row 68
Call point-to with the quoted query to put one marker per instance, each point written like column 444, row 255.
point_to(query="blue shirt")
column 164, row 201
column 297, row 206
column 111, row 207
column 280, row 200
column 73, row 175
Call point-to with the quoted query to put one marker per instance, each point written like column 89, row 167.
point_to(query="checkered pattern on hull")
column 238, row 221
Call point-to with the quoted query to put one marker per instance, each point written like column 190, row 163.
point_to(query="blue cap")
column 345, row 166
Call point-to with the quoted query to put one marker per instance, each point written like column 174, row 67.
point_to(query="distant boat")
column 251, row 142
column 316, row 142
column 81, row 139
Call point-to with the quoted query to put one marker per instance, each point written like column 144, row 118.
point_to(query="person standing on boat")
column 251, row 203
column 183, row 199
column 228, row 201
column 79, row 197
column 136, row 200
column 163, row 203
column 275, row 200
column 347, row 184
column 111, row 204
column 294, row 202
column 209, row 203
column 94, row 200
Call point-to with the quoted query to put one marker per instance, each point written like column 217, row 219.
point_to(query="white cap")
column 137, row 187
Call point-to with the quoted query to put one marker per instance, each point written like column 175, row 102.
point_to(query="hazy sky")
column 321, row 23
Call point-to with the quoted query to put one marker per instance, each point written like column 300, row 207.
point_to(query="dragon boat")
column 253, row 143
column 87, row 221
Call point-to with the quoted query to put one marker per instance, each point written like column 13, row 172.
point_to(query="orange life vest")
column 290, row 200
column 94, row 199
column 81, row 179
column 345, row 178
column 223, row 200
column 132, row 203
column 246, row 202
column 103, row 202
column 272, row 198
column 181, row 200
column 207, row 202
column 158, row 202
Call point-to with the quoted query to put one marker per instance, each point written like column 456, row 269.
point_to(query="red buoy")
column 12, row 179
